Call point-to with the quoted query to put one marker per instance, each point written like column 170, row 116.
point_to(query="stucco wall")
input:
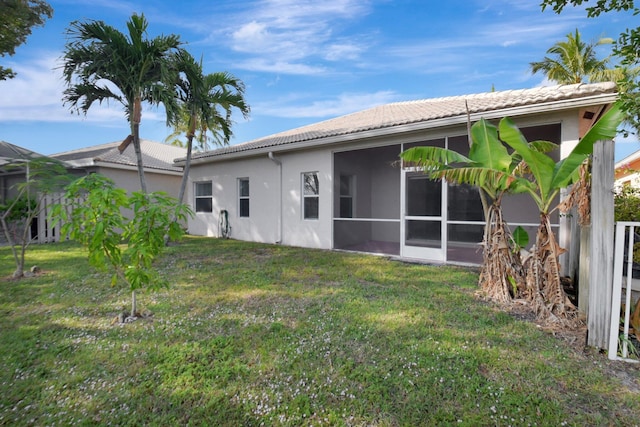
column 276, row 188
column 264, row 223
column 129, row 180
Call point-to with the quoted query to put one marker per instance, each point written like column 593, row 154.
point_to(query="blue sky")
column 301, row 61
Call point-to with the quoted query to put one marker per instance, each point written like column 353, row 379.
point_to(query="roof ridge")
column 492, row 94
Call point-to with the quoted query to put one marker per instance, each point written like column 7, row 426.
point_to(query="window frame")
column 196, row 196
column 242, row 198
column 310, row 197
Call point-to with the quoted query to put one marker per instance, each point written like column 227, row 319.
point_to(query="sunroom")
column 382, row 206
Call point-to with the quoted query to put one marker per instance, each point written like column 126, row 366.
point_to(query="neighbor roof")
column 430, row 113
column 10, row 153
column 155, row 155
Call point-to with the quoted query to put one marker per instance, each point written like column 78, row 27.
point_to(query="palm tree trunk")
column 185, row 178
column 187, row 165
column 135, row 130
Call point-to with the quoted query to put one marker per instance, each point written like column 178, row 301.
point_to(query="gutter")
column 278, row 162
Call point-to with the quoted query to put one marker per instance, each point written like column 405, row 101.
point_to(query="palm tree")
column 100, row 64
column 202, row 140
column 574, row 61
column 206, row 104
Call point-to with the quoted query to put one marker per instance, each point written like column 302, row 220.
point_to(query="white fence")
column 42, row 229
column 620, row 345
column 46, row 231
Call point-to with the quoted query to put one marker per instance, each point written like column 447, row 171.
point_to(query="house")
column 107, row 159
column 12, row 157
column 160, row 172
column 627, row 171
column 338, row 184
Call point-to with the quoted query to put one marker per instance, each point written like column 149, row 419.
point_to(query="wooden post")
column 584, row 269
column 601, row 260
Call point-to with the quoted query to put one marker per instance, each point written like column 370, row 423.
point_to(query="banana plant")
column 543, row 179
column 491, row 169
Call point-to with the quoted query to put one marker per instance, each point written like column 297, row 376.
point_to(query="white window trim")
column 241, row 197
column 305, row 196
column 196, row 197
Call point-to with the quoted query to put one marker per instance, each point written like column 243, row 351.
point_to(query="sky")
column 302, row 61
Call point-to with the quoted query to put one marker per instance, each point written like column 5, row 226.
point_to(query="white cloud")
column 342, row 51
column 35, row 95
column 277, row 32
column 283, row 67
column 251, row 37
column 344, row 103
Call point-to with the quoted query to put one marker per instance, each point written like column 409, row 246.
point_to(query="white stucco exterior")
column 275, row 200
column 380, row 192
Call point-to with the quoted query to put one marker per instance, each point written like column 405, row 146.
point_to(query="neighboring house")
column 160, row 171
column 338, row 184
column 10, row 174
column 627, row 171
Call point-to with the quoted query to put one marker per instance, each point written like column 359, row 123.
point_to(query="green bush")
column 627, row 204
column 627, row 208
column 19, row 207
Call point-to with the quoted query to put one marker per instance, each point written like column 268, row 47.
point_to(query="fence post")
column 584, row 269
column 601, row 257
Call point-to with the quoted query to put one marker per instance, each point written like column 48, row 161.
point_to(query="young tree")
column 100, row 64
column 94, row 217
column 17, row 19
column 206, row 103
column 44, row 176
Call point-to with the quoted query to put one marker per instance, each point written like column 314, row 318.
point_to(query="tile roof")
column 10, row 152
column 420, row 111
column 155, row 155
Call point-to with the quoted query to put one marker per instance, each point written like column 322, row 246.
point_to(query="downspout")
column 279, row 163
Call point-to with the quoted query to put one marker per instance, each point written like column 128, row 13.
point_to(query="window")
column 310, row 195
column 243, row 196
column 204, row 197
column 346, row 195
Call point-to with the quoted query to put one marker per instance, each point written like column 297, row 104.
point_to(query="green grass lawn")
column 252, row 334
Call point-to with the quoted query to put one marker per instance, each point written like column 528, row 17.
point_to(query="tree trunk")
column 134, row 305
column 135, row 128
column 18, row 258
column 187, row 167
column 185, row 172
column 501, row 275
column 544, row 289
